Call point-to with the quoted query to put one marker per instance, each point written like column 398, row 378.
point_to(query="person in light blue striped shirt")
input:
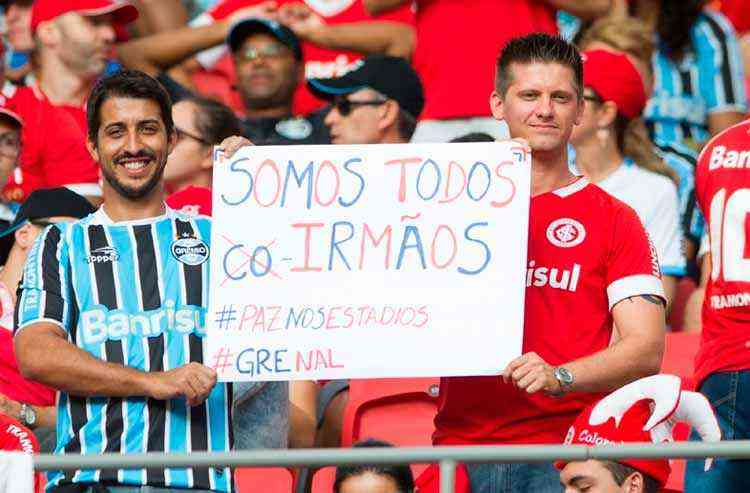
column 112, row 308
column 698, row 73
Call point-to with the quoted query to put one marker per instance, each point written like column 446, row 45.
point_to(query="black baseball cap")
column 391, row 76
column 241, row 30
column 44, row 203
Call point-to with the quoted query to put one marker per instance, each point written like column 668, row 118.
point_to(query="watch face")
column 565, row 376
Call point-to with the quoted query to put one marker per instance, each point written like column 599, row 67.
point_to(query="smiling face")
column 540, row 105
column 132, row 146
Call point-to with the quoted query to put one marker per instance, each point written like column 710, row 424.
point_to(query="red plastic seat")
column 323, row 480
column 399, row 411
column 679, row 357
column 265, row 479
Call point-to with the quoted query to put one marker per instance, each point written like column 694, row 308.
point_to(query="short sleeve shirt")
column 587, row 252
column 135, row 294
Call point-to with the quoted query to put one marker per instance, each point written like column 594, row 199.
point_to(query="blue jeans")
column 261, row 415
column 729, row 395
column 512, row 478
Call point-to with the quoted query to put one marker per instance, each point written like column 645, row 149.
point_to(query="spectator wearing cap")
column 73, row 42
column 612, row 152
column 268, row 62
column 334, row 35
column 29, row 402
column 642, row 411
column 10, row 147
column 200, row 124
column 377, row 103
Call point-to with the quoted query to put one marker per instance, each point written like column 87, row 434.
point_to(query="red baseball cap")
column 644, row 411
column 46, row 10
column 192, row 201
column 614, row 78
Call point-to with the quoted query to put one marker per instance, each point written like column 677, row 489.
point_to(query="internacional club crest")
column 566, row 232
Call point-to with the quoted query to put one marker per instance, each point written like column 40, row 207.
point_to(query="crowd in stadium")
column 635, row 112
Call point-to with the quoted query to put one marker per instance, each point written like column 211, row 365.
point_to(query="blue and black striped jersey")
column 133, row 293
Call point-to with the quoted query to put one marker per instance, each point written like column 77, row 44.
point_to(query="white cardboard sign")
column 368, row 261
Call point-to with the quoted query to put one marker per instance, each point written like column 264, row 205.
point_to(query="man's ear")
column 171, row 141
column 25, row 236
column 635, row 483
column 93, row 150
column 48, row 33
column 607, row 114
column 390, row 115
column 496, row 106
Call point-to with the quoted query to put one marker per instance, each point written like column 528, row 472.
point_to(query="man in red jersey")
column 722, row 189
column 594, row 314
column 74, row 40
column 456, row 41
column 15, row 437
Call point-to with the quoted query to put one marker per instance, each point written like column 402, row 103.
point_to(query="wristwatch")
column 564, row 378
column 28, row 416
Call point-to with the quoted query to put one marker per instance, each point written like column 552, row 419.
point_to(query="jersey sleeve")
column 633, row 265
column 666, row 234
column 722, row 79
column 43, row 295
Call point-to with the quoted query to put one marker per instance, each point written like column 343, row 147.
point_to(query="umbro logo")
column 102, row 255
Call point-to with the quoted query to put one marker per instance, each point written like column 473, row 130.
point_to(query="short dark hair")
column 620, row 472
column 400, row 474
column 128, row 84
column 474, row 137
column 407, row 124
column 538, row 48
column 214, row 121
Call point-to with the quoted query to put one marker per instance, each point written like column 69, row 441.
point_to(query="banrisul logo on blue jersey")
column 190, row 250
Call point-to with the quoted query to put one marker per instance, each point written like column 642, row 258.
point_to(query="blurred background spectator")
column 372, row 478
column 612, row 146
column 456, row 42
column 335, row 35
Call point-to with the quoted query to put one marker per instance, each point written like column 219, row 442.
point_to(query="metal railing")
column 447, row 457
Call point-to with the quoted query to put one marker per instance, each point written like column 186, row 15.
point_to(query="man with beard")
column 268, row 62
column 120, row 299
column 73, row 42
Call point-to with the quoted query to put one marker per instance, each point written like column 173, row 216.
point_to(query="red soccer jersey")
column 14, row 437
column 53, row 152
column 12, row 384
column 722, row 188
column 457, row 44
column 587, row 251
column 319, row 62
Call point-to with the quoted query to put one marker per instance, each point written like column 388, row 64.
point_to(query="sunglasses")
column 268, row 51
column 181, row 134
column 345, row 106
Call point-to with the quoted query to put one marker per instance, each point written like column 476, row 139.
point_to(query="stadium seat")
column 679, row 356
column 399, row 411
column 265, row 479
column 323, row 480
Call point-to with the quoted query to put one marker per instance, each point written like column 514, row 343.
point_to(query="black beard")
column 132, row 192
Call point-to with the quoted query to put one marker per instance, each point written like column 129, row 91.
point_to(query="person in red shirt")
column 27, row 401
column 456, row 43
column 643, row 411
column 74, row 40
column 335, row 34
column 594, row 313
column 722, row 365
column 15, row 437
